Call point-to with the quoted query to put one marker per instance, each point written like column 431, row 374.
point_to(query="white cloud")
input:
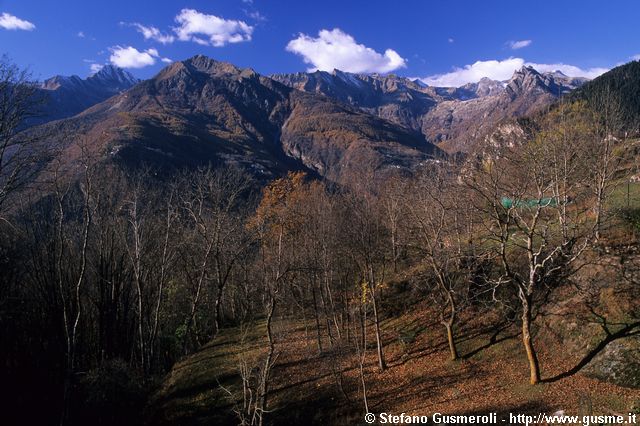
column 336, row 49
column 80, row 34
column 519, row 44
column 166, row 60
column 130, row 57
column 450, row 40
column 636, row 57
column 495, row 70
column 503, row 70
column 200, row 41
column 153, row 33
column 95, row 68
column 256, row 16
column 10, row 22
column 570, row 70
column 195, row 26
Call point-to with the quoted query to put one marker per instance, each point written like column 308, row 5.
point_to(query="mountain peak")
column 528, row 80
column 111, row 74
column 526, row 70
column 211, row 66
column 58, row 81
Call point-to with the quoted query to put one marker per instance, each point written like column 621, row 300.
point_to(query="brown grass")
column 420, row 379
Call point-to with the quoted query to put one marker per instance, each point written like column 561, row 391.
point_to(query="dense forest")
column 111, row 273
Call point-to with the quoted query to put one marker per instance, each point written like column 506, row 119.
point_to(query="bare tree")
column 73, row 198
column 606, row 147
column 535, row 203
column 368, row 237
column 440, row 223
column 213, row 203
column 17, row 103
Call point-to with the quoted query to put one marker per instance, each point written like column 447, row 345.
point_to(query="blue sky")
column 443, row 42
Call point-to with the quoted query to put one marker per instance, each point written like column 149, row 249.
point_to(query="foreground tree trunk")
column 452, row 343
column 381, row 363
column 532, row 357
column 268, row 364
column 376, row 319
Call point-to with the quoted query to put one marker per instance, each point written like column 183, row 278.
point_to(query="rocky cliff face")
column 390, row 97
column 454, row 118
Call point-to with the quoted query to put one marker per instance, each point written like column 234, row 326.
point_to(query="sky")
column 444, row 43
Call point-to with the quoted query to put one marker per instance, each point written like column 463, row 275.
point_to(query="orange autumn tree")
column 277, row 219
column 274, row 224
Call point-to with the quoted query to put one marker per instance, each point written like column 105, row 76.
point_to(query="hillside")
column 622, row 86
column 324, row 389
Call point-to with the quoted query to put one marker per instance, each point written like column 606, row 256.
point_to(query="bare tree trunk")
column 216, row 304
column 60, row 196
column 532, row 357
column 364, row 385
column 83, row 265
column 452, row 343
column 136, row 260
column 361, row 352
column 316, row 314
column 196, row 298
column 267, row 365
column 163, row 273
column 325, row 310
column 376, row 319
column 334, row 314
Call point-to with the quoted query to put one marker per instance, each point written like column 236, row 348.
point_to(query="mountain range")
column 61, row 96
column 455, row 119
column 201, row 111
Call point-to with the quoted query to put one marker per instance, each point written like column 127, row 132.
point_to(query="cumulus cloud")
column 518, row 44
column 130, row 57
column 210, row 29
column 495, row 70
column 503, row 70
column 10, row 22
column 336, row 49
column 153, row 33
column 570, row 70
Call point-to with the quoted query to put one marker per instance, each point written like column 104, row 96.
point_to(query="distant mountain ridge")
column 65, row 96
column 201, row 111
column 455, row 118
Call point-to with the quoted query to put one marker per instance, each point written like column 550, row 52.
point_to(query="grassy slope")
column 421, row 380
